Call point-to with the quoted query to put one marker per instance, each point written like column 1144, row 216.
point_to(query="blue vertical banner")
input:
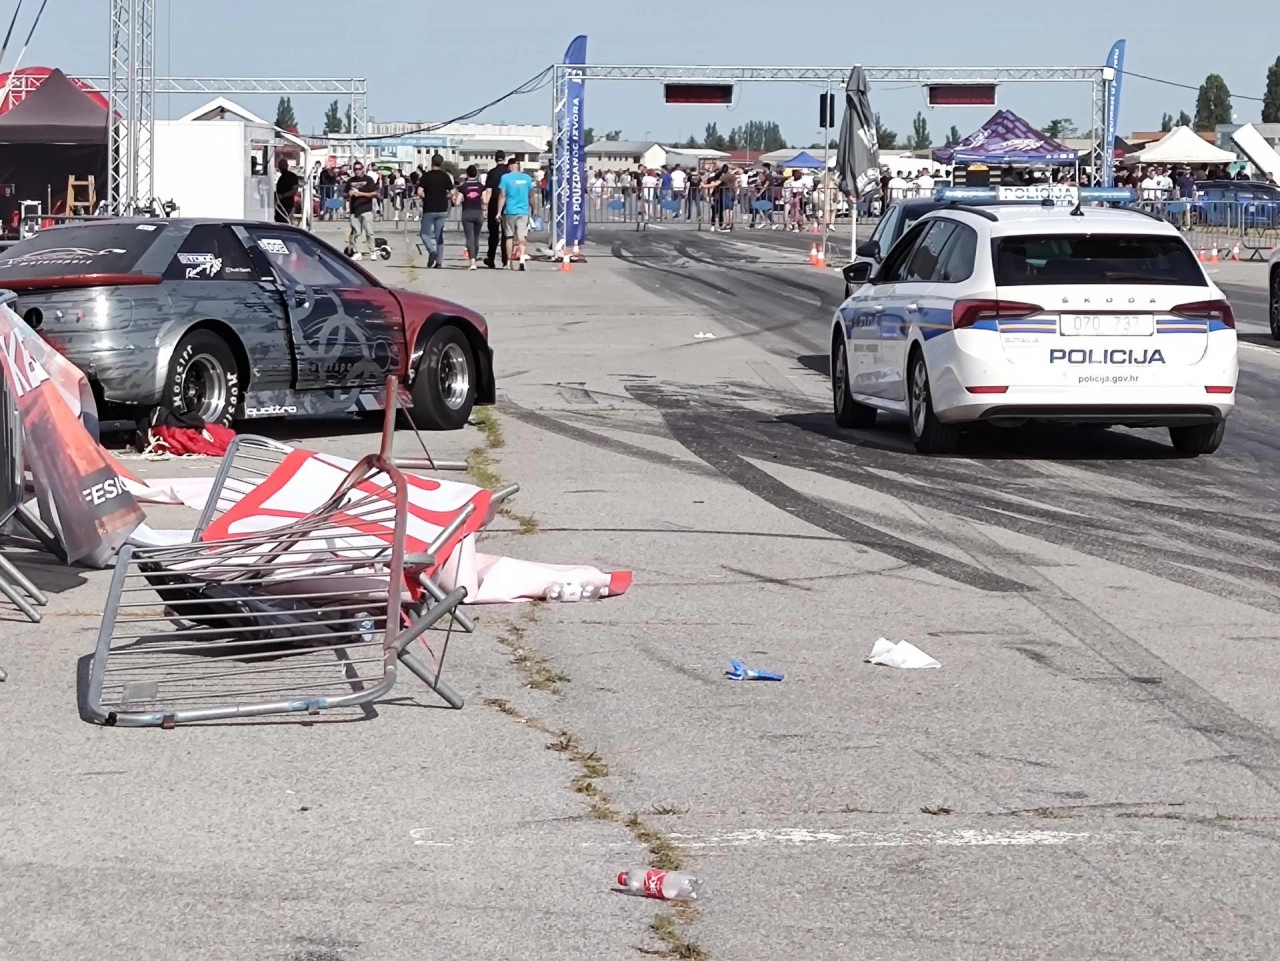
column 569, row 178
column 1115, row 60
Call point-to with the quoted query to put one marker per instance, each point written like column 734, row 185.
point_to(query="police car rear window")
column 108, row 248
column 1095, row 259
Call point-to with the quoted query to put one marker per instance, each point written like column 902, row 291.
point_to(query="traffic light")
column 826, row 110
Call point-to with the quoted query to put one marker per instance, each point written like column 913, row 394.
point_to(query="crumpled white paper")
column 903, row 654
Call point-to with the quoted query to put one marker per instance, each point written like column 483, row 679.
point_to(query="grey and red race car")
column 237, row 320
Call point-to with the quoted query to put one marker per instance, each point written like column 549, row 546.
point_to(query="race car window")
column 957, row 260
column 923, row 265
column 109, row 248
column 210, row 252
column 1096, row 259
column 895, row 263
column 299, row 260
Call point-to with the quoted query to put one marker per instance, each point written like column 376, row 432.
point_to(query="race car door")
column 916, row 303
column 346, row 331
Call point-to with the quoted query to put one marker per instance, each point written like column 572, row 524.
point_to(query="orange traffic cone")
column 565, row 266
column 822, row 259
column 815, row 228
column 1202, row 256
column 1213, row 254
column 1235, row 251
column 813, row 254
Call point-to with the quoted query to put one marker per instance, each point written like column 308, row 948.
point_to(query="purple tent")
column 1005, row 139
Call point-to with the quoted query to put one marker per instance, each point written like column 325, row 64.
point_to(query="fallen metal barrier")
column 312, row 615
column 13, row 584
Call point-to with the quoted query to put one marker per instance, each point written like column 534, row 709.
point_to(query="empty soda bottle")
column 663, row 885
column 570, row 591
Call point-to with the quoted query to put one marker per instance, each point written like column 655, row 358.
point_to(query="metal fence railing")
column 753, row 205
column 13, row 584
column 1248, row 229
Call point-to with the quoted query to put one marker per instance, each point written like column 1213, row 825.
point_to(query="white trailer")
column 1259, row 153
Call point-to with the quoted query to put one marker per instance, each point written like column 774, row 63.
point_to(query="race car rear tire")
column 931, row 435
column 444, row 388
column 848, row 412
column 204, row 379
column 1197, row 439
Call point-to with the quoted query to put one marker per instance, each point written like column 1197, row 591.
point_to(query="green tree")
column 953, row 136
column 691, row 143
column 1060, row 127
column 732, row 142
column 761, row 136
column 350, row 126
column 1166, row 122
column 588, row 136
column 1271, row 96
column 333, row 119
column 285, row 117
column 1183, row 119
column 612, row 135
column 1213, row 103
column 920, row 139
column 714, row 139
column 886, row 139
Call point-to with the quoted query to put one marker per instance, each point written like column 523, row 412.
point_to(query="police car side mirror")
column 869, row 248
column 857, row 273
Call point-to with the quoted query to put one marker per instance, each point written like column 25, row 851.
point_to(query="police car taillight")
column 1218, row 310
column 966, row 313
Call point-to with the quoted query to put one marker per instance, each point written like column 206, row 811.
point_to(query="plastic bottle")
column 571, row 591
column 663, row 885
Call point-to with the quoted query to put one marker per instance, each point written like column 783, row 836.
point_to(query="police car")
column 1015, row 314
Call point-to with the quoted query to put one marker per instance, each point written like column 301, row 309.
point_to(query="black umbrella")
column 858, row 151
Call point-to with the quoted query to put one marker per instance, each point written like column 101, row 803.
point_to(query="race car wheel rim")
column 919, row 397
column 455, row 376
column 204, row 388
column 1275, row 302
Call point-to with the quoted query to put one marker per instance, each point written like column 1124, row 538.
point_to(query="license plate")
column 1107, row 325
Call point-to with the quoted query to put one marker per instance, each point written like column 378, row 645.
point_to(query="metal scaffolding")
column 132, row 85
column 1099, row 78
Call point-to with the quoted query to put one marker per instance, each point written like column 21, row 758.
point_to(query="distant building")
column 410, row 144
column 629, row 154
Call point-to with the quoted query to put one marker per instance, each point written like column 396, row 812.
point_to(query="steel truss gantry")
column 132, row 86
column 1099, row 78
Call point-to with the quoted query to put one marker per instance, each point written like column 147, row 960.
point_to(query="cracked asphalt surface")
column 1093, row 773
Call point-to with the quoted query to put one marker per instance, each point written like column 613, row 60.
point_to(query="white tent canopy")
column 1181, row 145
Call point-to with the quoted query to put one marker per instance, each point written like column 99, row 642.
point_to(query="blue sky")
column 421, row 65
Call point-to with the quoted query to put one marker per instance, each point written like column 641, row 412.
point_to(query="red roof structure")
column 27, row 80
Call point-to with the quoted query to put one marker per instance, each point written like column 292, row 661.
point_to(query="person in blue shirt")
column 514, row 191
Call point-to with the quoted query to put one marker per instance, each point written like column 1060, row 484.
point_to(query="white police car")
column 1019, row 314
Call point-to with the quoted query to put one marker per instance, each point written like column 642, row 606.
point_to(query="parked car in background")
column 237, row 320
column 1234, row 203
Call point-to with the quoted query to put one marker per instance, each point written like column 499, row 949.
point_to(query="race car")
column 1273, row 294
column 1017, row 314
column 239, row 320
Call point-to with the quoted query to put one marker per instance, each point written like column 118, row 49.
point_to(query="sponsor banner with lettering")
column 570, row 172
column 1062, row 195
column 1115, row 60
column 79, row 489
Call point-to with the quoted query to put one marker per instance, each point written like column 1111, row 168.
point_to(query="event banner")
column 570, row 174
column 79, row 491
column 1115, row 60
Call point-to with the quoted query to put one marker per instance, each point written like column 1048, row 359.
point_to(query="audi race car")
column 1016, row 314
column 237, row 320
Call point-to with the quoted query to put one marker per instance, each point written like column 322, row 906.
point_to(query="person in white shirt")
column 1149, row 187
column 610, row 179
column 1165, row 183
column 924, row 183
column 679, row 185
column 897, row 186
column 648, row 193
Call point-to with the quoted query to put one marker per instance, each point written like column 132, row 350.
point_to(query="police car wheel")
column 1273, row 314
column 848, row 412
column 1198, row 438
column 931, row 436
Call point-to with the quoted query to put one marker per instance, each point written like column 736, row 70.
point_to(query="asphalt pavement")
column 1092, row 773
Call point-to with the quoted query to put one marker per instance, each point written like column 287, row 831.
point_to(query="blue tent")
column 804, row 160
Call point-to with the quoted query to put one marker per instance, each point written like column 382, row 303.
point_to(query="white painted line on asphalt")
column 800, row 837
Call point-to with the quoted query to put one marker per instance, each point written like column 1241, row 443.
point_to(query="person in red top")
column 472, row 197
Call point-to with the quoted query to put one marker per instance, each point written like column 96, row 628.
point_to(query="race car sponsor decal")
column 1118, row 355
column 273, row 246
column 208, row 265
column 60, row 255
